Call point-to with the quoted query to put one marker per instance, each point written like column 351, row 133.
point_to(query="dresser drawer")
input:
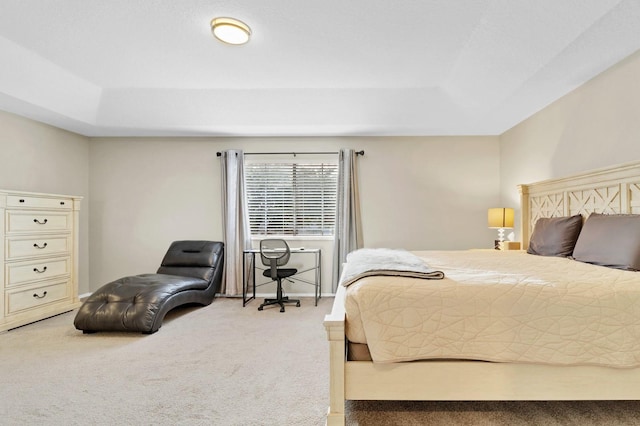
column 20, row 248
column 31, row 221
column 37, row 296
column 34, row 202
column 24, row 272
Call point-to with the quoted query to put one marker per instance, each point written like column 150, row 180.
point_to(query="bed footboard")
column 462, row 380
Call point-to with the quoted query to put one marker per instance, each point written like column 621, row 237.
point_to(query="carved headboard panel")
column 610, row 190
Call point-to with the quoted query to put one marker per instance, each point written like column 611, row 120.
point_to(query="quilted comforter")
column 502, row 306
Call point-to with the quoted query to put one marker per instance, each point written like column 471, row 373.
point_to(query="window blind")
column 291, row 198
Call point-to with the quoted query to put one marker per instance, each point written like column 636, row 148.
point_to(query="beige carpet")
column 216, row 365
column 223, row 365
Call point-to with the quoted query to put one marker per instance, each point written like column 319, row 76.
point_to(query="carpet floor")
column 217, row 365
column 224, row 365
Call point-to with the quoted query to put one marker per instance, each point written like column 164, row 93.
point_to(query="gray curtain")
column 348, row 233
column 237, row 235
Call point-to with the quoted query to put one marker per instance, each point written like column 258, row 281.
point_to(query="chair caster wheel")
column 281, row 309
column 298, row 304
column 259, row 308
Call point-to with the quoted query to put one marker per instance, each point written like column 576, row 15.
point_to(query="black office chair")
column 275, row 253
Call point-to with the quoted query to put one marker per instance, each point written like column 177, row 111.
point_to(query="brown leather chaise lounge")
column 191, row 272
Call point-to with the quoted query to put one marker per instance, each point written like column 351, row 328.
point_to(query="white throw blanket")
column 386, row 262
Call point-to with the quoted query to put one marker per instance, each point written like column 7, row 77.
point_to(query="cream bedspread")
column 504, row 306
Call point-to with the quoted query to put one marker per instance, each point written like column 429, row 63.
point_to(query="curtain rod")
column 361, row 152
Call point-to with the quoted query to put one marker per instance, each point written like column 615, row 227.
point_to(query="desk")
column 249, row 255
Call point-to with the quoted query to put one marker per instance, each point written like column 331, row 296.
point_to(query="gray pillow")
column 610, row 240
column 555, row 236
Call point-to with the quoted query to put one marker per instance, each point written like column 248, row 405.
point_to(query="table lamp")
column 500, row 218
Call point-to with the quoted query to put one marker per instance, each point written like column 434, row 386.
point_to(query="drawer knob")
column 21, row 200
column 40, row 297
column 41, row 223
column 62, row 203
column 37, row 246
column 38, row 271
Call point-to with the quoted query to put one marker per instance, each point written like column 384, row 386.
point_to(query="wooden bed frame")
column 610, row 190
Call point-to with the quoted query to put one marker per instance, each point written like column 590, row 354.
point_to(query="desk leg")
column 253, row 272
column 318, row 276
column 244, row 279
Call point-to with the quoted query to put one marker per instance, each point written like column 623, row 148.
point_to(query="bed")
column 565, row 374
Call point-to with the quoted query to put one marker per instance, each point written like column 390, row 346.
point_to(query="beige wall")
column 416, row 193
column 40, row 158
column 147, row 193
column 596, row 125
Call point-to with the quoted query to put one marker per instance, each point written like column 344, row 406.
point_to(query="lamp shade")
column 500, row 217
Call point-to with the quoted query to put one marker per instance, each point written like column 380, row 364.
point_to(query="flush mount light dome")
column 230, row 30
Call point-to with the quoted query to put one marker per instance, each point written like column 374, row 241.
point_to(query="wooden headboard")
column 609, row 190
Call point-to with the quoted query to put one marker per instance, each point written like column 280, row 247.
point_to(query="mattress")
column 502, row 306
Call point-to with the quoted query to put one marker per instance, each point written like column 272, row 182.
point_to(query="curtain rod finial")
column 218, row 154
column 361, row 152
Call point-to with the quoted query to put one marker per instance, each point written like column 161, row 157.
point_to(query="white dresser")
column 39, row 256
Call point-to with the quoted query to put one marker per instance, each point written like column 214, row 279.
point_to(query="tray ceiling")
column 335, row 67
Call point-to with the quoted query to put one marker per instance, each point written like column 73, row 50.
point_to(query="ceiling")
column 312, row 68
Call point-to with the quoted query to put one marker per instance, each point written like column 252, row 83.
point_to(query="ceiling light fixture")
column 230, row 30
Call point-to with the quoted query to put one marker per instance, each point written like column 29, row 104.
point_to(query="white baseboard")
column 83, row 296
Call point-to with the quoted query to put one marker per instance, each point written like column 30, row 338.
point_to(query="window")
column 291, row 198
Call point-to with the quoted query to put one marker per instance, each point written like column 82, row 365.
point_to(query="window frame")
column 294, row 233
